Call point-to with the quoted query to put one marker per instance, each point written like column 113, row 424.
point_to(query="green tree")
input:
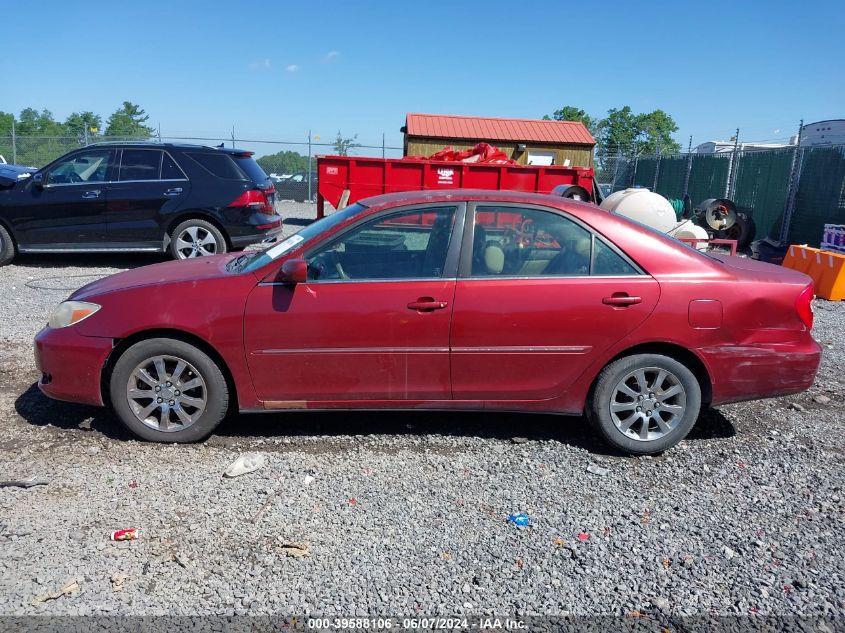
column 285, row 162
column 129, row 121
column 34, row 123
column 84, row 125
column 343, row 145
column 629, row 133
column 656, row 129
column 571, row 113
column 6, row 120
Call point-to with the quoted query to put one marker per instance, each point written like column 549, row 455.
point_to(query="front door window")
column 408, row 245
column 88, row 166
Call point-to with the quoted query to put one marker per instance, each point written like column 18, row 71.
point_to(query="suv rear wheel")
column 644, row 404
column 196, row 238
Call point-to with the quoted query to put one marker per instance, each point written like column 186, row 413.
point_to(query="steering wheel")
column 327, row 265
column 74, row 177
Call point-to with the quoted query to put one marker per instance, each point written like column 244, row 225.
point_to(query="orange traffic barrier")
column 816, row 269
column 831, row 284
column 806, row 259
column 790, row 260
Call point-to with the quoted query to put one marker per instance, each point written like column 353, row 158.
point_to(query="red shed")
column 527, row 141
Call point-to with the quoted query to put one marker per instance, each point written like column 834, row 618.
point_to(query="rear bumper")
column 244, row 236
column 71, row 364
column 751, row 372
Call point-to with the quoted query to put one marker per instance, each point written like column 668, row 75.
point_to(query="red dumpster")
column 364, row 177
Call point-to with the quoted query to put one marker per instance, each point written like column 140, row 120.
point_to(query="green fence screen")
column 762, row 183
column 820, row 198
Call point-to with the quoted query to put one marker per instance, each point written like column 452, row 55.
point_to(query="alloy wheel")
column 195, row 241
column 166, row 393
column 648, row 403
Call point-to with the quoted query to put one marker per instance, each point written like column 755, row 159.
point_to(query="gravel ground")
column 406, row 512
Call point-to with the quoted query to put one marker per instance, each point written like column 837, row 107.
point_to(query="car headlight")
column 70, row 312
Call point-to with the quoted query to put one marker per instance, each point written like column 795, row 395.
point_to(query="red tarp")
column 481, row 153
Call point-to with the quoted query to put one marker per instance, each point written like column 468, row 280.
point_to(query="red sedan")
column 440, row 300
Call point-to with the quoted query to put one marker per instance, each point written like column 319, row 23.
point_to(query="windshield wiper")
column 236, row 263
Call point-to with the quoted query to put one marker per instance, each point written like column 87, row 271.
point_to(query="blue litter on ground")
column 519, row 519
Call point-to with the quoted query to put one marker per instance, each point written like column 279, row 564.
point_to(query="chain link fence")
column 803, row 185
column 37, row 151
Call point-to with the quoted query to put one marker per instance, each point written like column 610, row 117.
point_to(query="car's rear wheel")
column 645, row 403
column 196, row 238
column 7, row 247
column 166, row 390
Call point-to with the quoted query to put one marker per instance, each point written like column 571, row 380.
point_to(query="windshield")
column 263, row 257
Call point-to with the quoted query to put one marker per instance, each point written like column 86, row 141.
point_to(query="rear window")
column 251, row 169
column 218, row 164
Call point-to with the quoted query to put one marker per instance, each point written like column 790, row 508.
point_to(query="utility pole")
column 689, row 166
column 792, row 191
column 382, row 145
column 308, row 176
column 233, row 137
column 14, row 144
column 732, row 166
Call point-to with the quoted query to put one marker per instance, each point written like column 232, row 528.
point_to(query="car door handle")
column 427, row 304
column 88, row 195
column 621, row 299
column 173, row 192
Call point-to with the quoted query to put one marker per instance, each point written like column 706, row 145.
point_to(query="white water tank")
column 689, row 229
column 643, row 206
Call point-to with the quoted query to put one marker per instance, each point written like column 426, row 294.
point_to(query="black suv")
column 187, row 200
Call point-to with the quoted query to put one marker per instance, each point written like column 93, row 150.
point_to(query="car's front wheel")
column 166, row 390
column 196, row 238
column 645, row 403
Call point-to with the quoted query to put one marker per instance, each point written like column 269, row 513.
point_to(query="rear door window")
column 218, row 164
column 140, row 164
column 170, row 170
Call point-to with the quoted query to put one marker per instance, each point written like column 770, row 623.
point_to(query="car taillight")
column 804, row 306
column 255, row 199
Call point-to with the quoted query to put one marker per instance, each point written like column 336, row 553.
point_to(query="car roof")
column 437, row 196
column 169, row 145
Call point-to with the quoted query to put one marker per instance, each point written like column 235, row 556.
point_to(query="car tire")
column 196, row 238
column 7, row 247
column 639, row 419
column 188, row 394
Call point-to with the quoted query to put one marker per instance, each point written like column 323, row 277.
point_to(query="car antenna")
column 221, row 146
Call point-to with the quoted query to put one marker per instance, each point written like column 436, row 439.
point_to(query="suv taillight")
column 804, row 306
column 256, row 199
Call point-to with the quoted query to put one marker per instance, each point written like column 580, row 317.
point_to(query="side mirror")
column 38, row 180
column 294, row 271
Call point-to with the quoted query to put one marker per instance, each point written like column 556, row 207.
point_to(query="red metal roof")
column 493, row 129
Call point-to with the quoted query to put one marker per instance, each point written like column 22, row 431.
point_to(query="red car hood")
column 168, row 272
column 761, row 271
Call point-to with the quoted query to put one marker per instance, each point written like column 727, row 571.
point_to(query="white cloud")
column 259, row 64
column 777, row 131
column 330, row 56
column 292, row 68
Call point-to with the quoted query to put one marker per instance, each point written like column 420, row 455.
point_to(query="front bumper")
column 751, row 372
column 71, row 365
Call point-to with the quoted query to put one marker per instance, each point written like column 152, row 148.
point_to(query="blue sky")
column 276, row 69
